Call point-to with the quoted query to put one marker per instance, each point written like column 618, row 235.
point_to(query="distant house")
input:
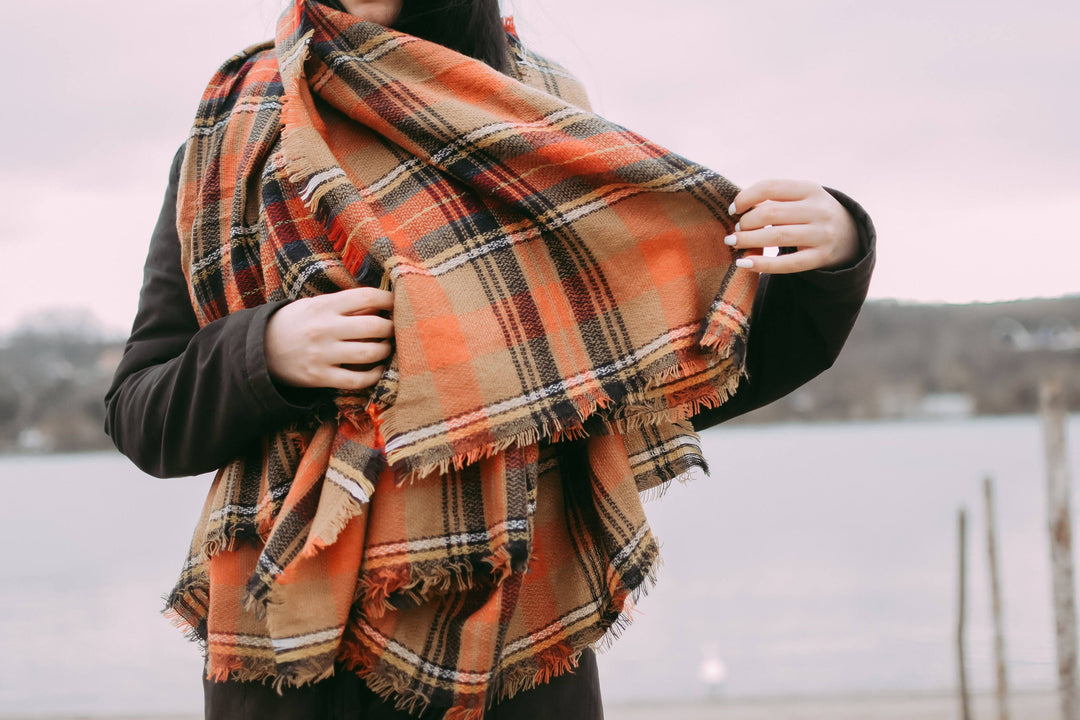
column 33, row 440
column 899, row 399
column 946, row 406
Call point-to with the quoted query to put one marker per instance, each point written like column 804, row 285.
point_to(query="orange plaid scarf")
column 562, row 304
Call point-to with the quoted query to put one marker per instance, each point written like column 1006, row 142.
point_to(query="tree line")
column 986, row 359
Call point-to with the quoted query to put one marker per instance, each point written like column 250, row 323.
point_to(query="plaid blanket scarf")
column 562, row 304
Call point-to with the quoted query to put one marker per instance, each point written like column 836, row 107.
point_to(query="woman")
column 562, row 301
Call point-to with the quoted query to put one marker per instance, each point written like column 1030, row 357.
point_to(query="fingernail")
column 737, row 227
column 731, row 210
column 730, row 240
column 744, row 263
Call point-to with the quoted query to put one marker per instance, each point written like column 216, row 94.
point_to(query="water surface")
column 816, row 559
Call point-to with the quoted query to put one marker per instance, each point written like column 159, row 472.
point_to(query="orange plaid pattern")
column 562, row 304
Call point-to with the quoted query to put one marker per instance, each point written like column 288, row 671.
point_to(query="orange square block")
column 667, row 258
column 469, row 86
column 443, row 341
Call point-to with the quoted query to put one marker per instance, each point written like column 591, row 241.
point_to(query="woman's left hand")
column 792, row 213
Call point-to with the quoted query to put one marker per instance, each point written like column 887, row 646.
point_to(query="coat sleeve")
column 798, row 325
column 184, row 399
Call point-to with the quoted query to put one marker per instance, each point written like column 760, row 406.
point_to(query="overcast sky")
column 953, row 122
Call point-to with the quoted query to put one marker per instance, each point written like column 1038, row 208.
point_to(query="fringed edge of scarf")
column 377, row 591
column 259, row 593
column 397, row 687
column 625, row 617
column 298, row 167
column 187, row 605
column 186, row 608
column 525, row 432
column 299, row 674
column 655, row 490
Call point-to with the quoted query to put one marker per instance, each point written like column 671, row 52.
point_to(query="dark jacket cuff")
column 276, row 400
column 855, row 275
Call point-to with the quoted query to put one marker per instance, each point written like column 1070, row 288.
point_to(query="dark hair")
column 471, row 27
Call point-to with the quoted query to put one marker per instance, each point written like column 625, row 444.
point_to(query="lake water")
column 816, row 559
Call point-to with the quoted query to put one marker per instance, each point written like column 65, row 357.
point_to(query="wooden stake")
column 961, row 660
column 1052, row 401
column 995, row 594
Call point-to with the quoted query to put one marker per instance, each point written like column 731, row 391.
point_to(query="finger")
column 361, row 301
column 358, row 353
column 363, row 327
column 800, row 236
column 759, row 192
column 344, row 379
column 778, row 213
column 783, row 264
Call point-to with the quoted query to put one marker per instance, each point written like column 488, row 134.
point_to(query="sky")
column 953, row 123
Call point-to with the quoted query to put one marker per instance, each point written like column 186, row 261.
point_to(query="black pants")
column 571, row 696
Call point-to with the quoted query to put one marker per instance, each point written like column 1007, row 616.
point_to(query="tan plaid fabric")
column 563, row 302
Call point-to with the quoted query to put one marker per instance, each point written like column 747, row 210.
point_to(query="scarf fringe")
column 718, row 395
column 310, row 671
column 299, row 167
column 721, row 336
column 303, row 676
column 419, row 465
column 674, row 371
column 501, row 564
column 234, row 670
column 554, row 666
column 397, row 687
column 259, row 595
column 339, row 518
column 377, row 588
column 179, row 606
column 657, row 491
column 393, row 687
column 221, row 539
column 628, row 604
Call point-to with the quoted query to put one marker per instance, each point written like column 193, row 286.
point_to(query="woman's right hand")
column 319, row 341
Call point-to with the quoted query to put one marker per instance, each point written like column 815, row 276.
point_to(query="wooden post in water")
column 961, row 659
column 995, row 594
column 1052, row 402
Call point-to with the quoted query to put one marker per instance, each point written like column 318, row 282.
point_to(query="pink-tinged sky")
column 955, row 123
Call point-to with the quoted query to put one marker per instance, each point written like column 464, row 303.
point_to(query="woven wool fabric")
column 562, row 303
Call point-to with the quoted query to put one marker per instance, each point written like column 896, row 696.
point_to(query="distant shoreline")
column 901, row 361
column 13, row 453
